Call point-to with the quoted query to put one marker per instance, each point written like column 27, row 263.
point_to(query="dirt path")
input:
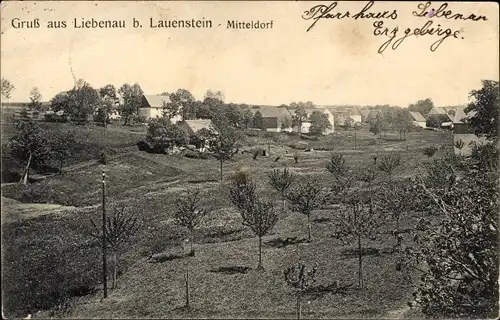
column 13, row 210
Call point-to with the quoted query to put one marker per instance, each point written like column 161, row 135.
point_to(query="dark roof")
column 273, row 112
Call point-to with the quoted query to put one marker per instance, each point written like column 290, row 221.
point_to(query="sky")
column 336, row 62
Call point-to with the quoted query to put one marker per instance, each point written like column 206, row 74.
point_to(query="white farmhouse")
column 152, row 107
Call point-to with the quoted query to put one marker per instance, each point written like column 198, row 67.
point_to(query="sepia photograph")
column 249, row 159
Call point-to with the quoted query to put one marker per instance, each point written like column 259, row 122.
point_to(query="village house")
column 192, row 127
column 463, row 134
column 329, row 116
column 440, row 113
column 418, row 119
column 152, row 107
column 342, row 113
column 276, row 119
column 306, row 124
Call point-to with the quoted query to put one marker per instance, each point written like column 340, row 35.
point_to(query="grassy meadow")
column 52, row 265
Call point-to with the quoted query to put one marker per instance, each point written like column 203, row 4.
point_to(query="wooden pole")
column 298, row 306
column 354, row 138
column 187, row 285
column 104, row 266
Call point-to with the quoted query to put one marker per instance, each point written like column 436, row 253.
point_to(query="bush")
column 430, row 151
column 102, row 158
column 459, row 252
column 143, row 146
column 137, row 119
column 487, row 154
column 299, row 145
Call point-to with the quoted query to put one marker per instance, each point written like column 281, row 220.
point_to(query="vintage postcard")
column 249, row 159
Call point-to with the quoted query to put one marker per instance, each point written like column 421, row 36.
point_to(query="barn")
column 152, row 107
column 276, row 119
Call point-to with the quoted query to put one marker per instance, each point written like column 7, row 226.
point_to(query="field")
column 49, row 256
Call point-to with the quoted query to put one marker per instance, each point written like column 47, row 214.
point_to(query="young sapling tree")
column 389, row 163
column 260, row 216
column 341, row 172
column 119, row 228
column 281, row 181
column 300, row 277
column 354, row 223
column 395, row 201
column 304, row 198
column 189, row 213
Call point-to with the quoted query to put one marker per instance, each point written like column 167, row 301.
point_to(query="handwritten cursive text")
column 326, row 12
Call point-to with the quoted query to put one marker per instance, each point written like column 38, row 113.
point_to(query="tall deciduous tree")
column 379, row 125
column 62, row 145
column 232, row 113
column 35, row 99
column 132, row 99
column 224, row 142
column 299, row 115
column 163, row 134
column 212, row 103
column 170, row 109
column 257, row 214
column 83, row 101
column 6, row 88
column 484, row 110
column 246, row 115
column 402, row 122
column 422, row 106
column 30, row 145
column 319, row 123
column 109, row 99
column 258, row 121
column 60, row 102
column 187, row 102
